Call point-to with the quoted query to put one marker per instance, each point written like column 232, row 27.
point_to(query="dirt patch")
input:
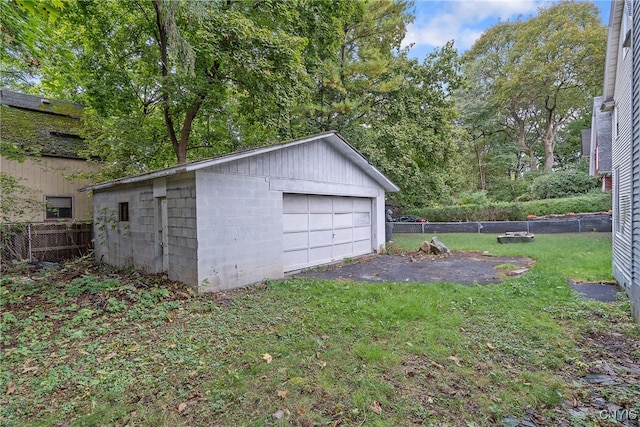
column 467, row 268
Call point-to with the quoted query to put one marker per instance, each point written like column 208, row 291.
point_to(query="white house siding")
column 621, row 166
column 634, row 289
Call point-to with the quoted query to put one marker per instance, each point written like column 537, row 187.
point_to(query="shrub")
column 518, row 211
column 562, row 184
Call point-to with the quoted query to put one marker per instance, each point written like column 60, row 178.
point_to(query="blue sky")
column 464, row 21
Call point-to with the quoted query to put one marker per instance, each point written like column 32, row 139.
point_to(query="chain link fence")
column 576, row 224
column 53, row 242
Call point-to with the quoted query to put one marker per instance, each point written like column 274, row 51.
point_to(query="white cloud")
column 464, row 21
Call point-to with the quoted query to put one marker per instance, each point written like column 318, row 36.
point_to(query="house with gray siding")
column 621, row 97
column 232, row 221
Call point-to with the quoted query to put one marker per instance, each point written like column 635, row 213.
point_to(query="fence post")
column 29, row 237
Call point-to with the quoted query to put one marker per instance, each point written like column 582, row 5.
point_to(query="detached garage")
column 236, row 220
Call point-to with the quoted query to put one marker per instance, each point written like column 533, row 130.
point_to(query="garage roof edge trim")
column 332, row 137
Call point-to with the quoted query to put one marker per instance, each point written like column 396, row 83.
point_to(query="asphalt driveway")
column 460, row 267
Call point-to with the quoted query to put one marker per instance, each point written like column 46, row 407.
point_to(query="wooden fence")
column 52, row 242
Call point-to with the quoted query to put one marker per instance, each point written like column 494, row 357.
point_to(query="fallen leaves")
column 283, row 393
column 455, row 360
column 437, row 365
column 376, row 408
column 267, row 357
column 109, row 356
column 11, row 388
column 280, row 413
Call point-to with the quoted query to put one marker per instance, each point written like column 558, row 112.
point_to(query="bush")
column 562, row 184
column 518, row 211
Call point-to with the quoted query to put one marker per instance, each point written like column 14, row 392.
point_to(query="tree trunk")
column 179, row 145
column 549, row 141
column 482, row 174
column 522, row 143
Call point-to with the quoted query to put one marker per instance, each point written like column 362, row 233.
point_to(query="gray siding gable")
column 251, row 167
column 314, row 161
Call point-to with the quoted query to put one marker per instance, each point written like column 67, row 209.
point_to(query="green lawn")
column 90, row 346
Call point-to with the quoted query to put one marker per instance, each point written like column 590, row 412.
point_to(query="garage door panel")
column 320, row 221
column 320, row 204
column 361, row 247
column 295, row 259
column 295, row 203
column 320, row 255
column 342, row 236
column 343, row 204
column 298, row 240
column 321, row 229
column 321, row 238
column 361, row 205
column 343, row 250
column 296, row 222
column 361, row 233
column 343, row 220
column 361, row 219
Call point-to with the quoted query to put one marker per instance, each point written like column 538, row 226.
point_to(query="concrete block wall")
column 125, row 243
column 183, row 233
column 239, row 223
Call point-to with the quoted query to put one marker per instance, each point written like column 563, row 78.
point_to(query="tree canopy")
column 539, row 75
column 171, row 81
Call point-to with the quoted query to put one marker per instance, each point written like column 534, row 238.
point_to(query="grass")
column 86, row 345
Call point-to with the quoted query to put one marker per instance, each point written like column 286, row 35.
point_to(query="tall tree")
column 410, row 134
column 350, row 73
column 179, row 60
column 563, row 51
column 540, row 73
column 24, row 39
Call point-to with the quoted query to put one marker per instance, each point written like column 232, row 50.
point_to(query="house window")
column 59, row 207
column 123, row 211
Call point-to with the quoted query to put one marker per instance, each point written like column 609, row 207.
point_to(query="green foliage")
column 90, row 284
column 24, row 38
column 16, row 199
column 475, row 198
column 531, row 84
column 562, row 184
column 517, row 211
column 594, row 202
column 505, row 189
column 371, row 350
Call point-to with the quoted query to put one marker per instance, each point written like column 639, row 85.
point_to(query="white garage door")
column 321, row 229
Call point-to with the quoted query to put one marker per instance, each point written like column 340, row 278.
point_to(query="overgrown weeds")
column 88, row 345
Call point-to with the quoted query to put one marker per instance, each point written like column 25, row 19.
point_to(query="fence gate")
column 52, row 242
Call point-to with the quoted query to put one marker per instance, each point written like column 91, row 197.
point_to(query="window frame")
column 52, row 213
column 123, row 211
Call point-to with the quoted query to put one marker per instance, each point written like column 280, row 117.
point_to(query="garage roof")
column 332, row 138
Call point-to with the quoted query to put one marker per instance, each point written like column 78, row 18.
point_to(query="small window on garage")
column 59, row 207
column 123, row 211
